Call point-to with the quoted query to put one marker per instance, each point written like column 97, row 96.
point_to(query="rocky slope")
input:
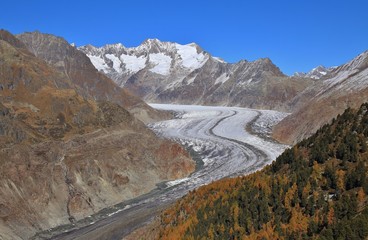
column 346, row 86
column 64, row 156
column 79, row 70
column 168, row 72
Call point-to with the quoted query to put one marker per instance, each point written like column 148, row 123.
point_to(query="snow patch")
column 189, row 56
column 133, row 63
column 116, row 62
column 162, row 63
column 222, row 79
column 191, row 80
column 98, row 62
column 219, row 59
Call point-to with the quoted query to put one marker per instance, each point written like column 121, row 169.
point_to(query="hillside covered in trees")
column 314, row 190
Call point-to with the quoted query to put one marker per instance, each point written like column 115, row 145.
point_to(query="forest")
column 316, row 189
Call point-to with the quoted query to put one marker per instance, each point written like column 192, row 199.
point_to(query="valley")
column 143, row 120
column 226, row 141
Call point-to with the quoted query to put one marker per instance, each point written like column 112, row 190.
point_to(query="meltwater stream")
column 229, row 141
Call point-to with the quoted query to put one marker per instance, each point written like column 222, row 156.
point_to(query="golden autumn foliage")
column 315, row 190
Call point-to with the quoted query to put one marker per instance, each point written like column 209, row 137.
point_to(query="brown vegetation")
column 64, row 156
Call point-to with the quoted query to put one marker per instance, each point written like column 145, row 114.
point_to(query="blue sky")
column 296, row 35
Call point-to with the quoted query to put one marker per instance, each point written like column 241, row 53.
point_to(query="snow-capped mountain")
column 316, row 73
column 167, row 72
column 57, row 52
column 162, row 58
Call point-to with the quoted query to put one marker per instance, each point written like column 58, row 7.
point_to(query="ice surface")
column 219, row 136
column 116, row 62
column 266, row 121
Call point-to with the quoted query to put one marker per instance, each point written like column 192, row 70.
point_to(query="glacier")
column 230, row 141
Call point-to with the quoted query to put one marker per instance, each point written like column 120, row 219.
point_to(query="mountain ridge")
column 64, row 156
column 168, row 72
column 346, row 86
column 316, row 73
column 57, row 52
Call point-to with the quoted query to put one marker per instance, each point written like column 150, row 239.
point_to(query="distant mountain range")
column 316, row 73
column 168, row 72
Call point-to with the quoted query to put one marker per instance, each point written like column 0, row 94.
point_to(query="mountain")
column 167, row 72
column 78, row 69
column 316, row 73
column 161, row 58
column 65, row 156
column 314, row 190
column 345, row 86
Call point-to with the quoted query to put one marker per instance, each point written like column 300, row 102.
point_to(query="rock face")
column 346, row 86
column 168, row 72
column 64, row 156
column 80, row 71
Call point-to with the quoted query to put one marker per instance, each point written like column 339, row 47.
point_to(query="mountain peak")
column 151, row 41
column 80, row 68
column 11, row 39
column 316, row 73
column 266, row 65
column 40, row 34
column 265, row 60
column 193, row 44
column 115, row 46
